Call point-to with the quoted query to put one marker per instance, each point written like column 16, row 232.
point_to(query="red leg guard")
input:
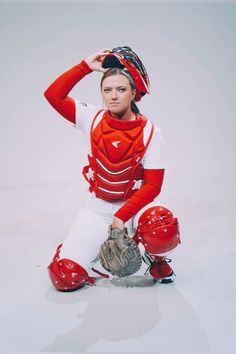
column 67, row 275
column 136, row 237
column 158, row 230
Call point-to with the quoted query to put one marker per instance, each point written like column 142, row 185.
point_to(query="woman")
column 125, row 170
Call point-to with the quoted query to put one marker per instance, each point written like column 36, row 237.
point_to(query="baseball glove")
column 119, row 254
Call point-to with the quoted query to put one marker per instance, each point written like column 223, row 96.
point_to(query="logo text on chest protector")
column 115, row 143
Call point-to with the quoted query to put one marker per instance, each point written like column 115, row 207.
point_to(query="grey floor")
column 195, row 314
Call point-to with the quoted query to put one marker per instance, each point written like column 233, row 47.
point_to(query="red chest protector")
column 117, row 148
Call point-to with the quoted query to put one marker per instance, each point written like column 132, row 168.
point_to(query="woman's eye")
column 107, row 90
column 122, row 89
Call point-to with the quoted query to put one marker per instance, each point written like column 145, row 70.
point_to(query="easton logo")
column 115, row 143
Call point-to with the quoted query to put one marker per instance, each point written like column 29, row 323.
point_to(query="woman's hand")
column 95, row 60
column 118, row 224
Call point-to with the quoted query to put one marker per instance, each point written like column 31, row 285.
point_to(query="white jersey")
column 153, row 158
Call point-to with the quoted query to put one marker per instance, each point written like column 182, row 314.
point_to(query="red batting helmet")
column 158, row 230
column 124, row 57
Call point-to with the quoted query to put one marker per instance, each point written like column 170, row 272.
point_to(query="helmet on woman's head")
column 124, row 57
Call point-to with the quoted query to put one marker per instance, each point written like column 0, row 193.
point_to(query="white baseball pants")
column 90, row 230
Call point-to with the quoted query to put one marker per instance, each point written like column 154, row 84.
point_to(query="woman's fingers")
column 105, row 50
column 103, row 53
column 95, row 60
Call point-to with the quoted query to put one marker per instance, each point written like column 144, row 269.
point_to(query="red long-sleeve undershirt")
column 57, row 96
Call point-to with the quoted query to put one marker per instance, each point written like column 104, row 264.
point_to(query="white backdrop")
column 189, row 50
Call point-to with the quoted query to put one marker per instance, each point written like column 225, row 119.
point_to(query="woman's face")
column 117, row 94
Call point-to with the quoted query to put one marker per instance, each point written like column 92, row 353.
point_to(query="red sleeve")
column 57, row 92
column 152, row 183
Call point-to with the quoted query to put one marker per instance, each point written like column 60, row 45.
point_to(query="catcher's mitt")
column 119, row 254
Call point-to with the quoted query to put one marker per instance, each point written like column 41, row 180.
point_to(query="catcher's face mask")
column 124, row 57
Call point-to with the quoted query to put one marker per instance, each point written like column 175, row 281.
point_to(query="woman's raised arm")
column 57, row 92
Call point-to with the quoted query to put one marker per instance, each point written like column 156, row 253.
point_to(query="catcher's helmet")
column 67, row 275
column 124, row 57
column 158, row 230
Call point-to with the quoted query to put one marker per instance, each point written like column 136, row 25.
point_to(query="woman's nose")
column 114, row 95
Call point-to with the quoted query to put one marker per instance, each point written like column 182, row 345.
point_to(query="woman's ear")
column 133, row 93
